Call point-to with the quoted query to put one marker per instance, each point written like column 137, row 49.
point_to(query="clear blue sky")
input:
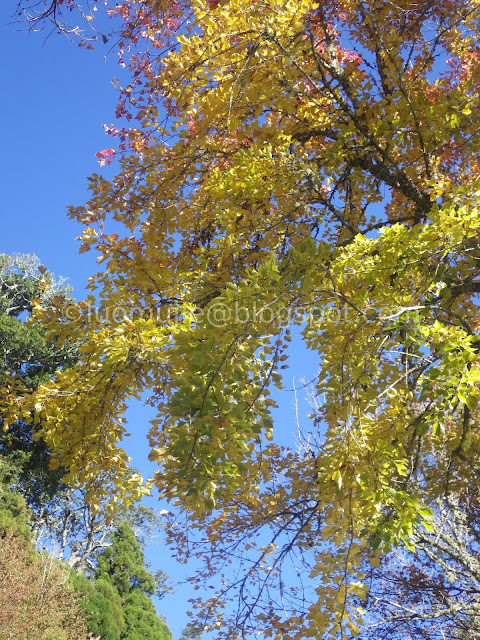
column 55, row 97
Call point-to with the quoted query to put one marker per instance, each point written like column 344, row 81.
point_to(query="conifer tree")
column 122, row 565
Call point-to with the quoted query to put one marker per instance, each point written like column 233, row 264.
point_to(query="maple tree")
column 284, row 162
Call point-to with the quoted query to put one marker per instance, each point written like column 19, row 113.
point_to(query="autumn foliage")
column 280, row 159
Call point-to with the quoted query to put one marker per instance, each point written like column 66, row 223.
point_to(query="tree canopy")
column 284, row 163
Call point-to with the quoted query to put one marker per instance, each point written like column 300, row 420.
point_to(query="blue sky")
column 55, row 97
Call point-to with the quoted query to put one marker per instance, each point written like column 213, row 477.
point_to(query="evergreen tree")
column 122, row 565
column 102, row 606
column 141, row 619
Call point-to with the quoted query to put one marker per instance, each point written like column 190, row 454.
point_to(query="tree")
column 102, row 606
column 84, row 21
column 122, row 566
column 14, row 513
column 433, row 593
column 76, row 533
column 123, row 563
column 60, row 515
column 28, row 360
column 289, row 162
column 57, row 16
column 26, row 353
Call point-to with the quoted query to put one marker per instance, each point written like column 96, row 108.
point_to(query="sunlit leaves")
column 294, row 164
